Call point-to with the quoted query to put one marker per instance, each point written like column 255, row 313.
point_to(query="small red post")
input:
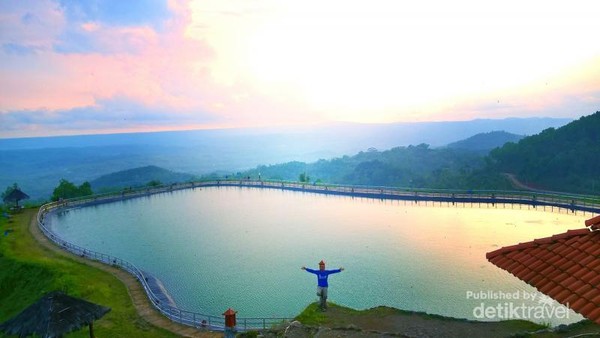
column 229, row 318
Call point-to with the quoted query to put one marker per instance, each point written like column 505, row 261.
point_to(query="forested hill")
column 563, row 159
column 149, row 175
column 413, row 166
column 484, row 142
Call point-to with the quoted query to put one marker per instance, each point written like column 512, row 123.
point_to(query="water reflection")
column 216, row 248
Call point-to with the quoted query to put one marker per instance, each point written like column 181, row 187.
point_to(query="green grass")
column 27, row 271
column 312, row 315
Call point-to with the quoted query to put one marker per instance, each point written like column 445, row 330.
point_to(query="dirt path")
column 518, row 184
column 142, row 305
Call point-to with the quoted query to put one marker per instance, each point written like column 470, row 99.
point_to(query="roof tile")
column 588, row 308
column 545, row 240
column 578, row 304
column 521, row 275
column 572, row 298
column 575, row 286
column 556, row 290
column 529, row 276
column 501, row 261
column 585, row 247
column 592, row 221
column 547, row 287
column 580, row 256
column 595, row 264
column 590, row 294
column 549, row 270
column 574, row 268
column 583, row 289
column 537, row 279
column 572, row 240
column 595, row 251
column 568, row 282
column 581, row 272
column 595, row 314
column 566, row 267
column 563, row 295
column 587, row 260
column 561, row 277
column 539, row 265
column 593, row 280
column 572, row 256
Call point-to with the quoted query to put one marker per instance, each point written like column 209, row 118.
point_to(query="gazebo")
column 54, row 315
column 15, row 195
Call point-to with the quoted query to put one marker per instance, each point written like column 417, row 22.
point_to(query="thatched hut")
column 15, row 196
column 54, row 315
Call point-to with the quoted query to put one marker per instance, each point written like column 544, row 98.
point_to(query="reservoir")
column 239, row 247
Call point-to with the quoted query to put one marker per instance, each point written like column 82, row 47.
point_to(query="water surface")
column 215, row 248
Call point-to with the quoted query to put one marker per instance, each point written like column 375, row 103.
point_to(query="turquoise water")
column 215, row 248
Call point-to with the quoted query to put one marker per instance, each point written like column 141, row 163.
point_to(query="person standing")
column 322, row 284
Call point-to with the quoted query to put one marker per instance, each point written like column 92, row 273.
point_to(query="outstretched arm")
column 336, row 271
column 309, row 270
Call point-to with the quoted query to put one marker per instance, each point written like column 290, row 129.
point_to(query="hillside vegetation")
column 413, row 166
column 563, row 159
column 137, row 177
column 485, row 142
column 38, row 164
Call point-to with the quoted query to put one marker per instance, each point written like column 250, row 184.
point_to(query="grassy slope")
column 27, row 271
column 344, row 316
column 312, row 315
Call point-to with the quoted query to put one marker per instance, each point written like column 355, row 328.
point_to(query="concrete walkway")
column 142, row 305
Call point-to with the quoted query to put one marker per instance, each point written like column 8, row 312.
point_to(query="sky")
column 104, row 66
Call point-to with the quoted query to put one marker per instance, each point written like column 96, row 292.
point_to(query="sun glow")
column 346, row 58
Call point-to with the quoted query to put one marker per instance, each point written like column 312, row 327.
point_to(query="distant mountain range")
column 564, row 159
column 37, row 164
column 364, row 168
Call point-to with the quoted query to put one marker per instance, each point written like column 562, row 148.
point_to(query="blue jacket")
column 322, row 275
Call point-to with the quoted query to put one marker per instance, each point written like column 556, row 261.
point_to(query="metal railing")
column 565, row 201
column 190, row 318
column 561, row 200
column 570, row 202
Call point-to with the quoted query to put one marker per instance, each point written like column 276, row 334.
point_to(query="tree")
column 304, row 178
column 154, row 183
column 66, row 189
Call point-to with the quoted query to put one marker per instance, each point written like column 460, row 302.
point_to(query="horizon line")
column 267, row 127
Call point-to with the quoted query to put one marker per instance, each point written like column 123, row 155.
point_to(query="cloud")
column 118, row 113
column 17, row 49
column 269, row 62
column 117, row 12
column 34, row 24
column 103, row 61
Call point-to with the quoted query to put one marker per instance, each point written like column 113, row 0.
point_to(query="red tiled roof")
column 565, row 267
column 593, row 223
